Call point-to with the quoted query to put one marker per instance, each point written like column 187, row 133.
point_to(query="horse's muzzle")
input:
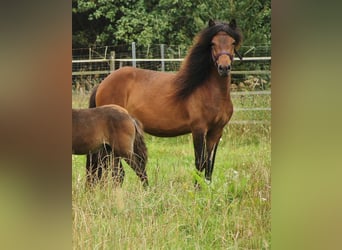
column 223, row 70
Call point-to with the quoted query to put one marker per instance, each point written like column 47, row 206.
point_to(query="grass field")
column 234, row 212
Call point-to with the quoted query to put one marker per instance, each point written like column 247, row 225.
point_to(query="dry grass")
column 231, row 213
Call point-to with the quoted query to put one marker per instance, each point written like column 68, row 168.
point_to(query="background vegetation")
column 102, row 26
column 103, row 22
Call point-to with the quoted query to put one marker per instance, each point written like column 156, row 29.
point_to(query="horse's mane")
column 196, row 66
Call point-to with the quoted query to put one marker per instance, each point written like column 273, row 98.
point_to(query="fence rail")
column 265, row 92
column 109, row 62
column 160, row 59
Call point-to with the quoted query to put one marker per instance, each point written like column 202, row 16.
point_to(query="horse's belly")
column 162, row 124
column 169, row 132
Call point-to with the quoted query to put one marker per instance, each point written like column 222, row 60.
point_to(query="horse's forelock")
column 207, row 34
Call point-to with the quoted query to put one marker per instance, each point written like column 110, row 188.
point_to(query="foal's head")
column 224, row 45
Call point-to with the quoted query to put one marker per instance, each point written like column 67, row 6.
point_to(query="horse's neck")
column 222, row 84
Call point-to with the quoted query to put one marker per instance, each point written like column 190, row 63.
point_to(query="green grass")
column 231, row 213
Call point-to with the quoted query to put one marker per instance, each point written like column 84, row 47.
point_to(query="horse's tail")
column 92, row 102
column 140, row 152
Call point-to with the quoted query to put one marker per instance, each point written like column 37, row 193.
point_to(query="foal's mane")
column 196, row 66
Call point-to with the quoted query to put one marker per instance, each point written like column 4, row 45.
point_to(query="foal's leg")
column 91, row 168
column 104, row 158
column 96, row 163
column 139, row 167
column 118, row 173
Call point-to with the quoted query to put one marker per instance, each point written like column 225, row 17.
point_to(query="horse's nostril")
column 224, row 68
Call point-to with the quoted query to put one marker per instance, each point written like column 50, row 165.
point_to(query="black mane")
column 196, row 66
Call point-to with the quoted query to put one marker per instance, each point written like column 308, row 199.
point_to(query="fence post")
column 162, row 47
column 105, row 55
column 134, row 62
column 112, row 61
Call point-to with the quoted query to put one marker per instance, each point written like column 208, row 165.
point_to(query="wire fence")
column 91, row 65
column 251, row 77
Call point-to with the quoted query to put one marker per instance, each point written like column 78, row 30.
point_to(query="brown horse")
column 195, row 100
column 109, row 131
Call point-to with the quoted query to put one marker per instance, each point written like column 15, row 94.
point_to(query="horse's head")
column 223, row 47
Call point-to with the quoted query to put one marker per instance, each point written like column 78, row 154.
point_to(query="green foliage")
column 104, row 22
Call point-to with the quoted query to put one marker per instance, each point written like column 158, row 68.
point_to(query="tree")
column 105, row 22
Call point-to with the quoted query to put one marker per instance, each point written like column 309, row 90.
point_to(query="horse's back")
column 120, row 129
column 109, row 124
column 148, row 96
column 130, row 82
column 85, row 131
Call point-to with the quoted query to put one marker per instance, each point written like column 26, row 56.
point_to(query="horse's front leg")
column 199, row 140
column 211, row 161
column 213, row 140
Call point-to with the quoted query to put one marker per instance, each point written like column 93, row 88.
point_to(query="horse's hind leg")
column 140, row 169
column 118, row 173
column 91, row 169
column 139, row 166
column 96, row 164
column 138, row 159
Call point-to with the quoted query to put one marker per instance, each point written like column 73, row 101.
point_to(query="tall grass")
column 233, row 212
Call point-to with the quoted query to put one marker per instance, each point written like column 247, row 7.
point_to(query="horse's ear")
column 211, row 23
column 232, row 24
